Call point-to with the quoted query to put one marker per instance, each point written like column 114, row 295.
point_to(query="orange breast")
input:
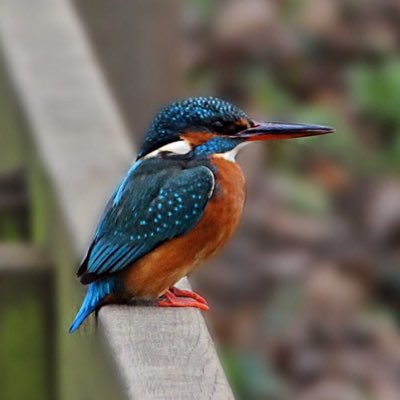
column 157, row 271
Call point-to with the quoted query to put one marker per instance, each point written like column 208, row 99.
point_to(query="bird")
column 178, row 205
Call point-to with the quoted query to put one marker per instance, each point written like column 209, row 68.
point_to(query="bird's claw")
column 175, row 297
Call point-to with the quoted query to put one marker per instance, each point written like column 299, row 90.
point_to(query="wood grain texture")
column 166, row 353
column 83, row 145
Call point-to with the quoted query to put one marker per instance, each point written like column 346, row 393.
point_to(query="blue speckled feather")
column 158, row 200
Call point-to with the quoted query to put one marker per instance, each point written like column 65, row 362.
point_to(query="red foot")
column 188, row 293
column 176, row 298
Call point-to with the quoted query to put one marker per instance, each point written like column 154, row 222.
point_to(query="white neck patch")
column 183, row 147
column 178, row 147
column 231, row 154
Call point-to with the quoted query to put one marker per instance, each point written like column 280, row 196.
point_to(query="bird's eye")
column 217, row 126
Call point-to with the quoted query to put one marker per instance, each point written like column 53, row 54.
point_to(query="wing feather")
column 139, row 217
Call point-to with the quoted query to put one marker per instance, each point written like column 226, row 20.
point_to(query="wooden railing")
column 76, row 148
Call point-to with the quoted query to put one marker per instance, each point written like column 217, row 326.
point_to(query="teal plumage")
column 166, row 194
column 154, row 205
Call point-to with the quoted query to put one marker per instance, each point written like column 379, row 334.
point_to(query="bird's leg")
column 171, row 299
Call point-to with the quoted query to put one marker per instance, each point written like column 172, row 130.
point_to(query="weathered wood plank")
column 169, row 351
column 83, row 145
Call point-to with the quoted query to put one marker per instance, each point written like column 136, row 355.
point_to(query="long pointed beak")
column 281, row 130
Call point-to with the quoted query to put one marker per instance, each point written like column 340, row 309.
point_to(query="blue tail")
column 95, row 294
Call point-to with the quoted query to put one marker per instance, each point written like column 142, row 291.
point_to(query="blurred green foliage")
column 252, row 377
column 376, row 90
column 22, row 348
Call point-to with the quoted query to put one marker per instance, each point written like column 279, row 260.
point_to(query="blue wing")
column 151, row 205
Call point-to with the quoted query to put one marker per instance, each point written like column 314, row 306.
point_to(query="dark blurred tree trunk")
column 137, row 43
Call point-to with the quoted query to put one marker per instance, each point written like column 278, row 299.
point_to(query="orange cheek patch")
column 243, row 123
column 197, row 138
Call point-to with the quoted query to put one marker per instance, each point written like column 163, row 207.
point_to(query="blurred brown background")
column 305, row 300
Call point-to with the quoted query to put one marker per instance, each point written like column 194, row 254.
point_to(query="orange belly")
column 156, row 272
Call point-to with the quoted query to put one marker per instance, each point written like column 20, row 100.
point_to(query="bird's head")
column 208, row 125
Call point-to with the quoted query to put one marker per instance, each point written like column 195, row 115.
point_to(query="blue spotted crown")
column 196, row 113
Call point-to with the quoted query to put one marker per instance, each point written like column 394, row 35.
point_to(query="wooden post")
column 80, row 150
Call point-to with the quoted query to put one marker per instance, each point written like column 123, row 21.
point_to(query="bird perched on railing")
column 179, row 204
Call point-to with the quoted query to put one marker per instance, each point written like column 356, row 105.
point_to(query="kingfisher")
column 178, row 205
